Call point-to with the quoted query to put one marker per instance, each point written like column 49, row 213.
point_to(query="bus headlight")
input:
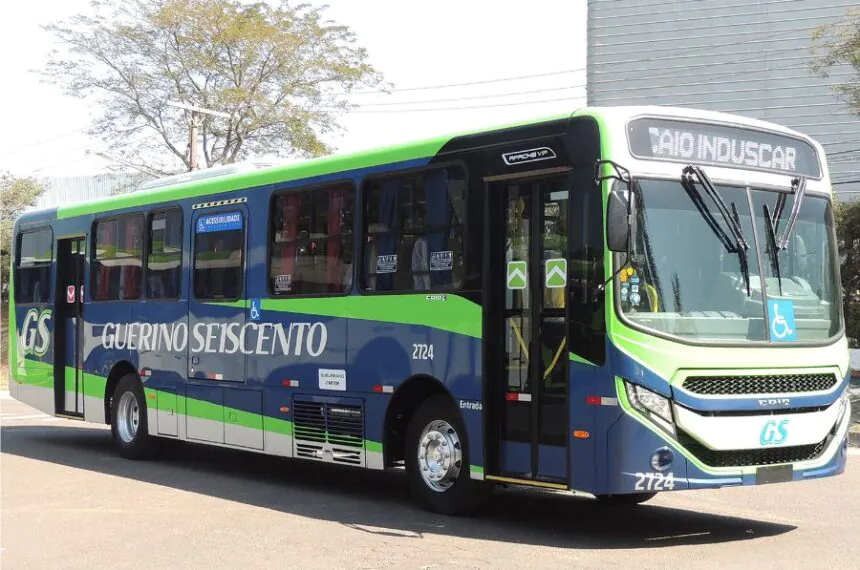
column 651, row 404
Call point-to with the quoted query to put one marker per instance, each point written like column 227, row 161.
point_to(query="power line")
column 473, row 97
column 46, row 141
column 482, row 82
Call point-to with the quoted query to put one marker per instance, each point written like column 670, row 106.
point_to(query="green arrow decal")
column 517, row 275
column 556, row 273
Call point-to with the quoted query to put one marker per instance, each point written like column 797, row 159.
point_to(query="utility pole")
column 193, row 125
column 193, row 142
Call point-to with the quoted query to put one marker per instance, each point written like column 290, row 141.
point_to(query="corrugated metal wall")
column 65, row 190
column 750, row 57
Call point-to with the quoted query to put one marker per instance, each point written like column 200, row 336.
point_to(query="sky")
column 418, row 49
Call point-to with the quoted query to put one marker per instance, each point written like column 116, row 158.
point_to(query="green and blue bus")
column 614, row 301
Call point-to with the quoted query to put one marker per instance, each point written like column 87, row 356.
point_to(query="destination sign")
column 721, row 145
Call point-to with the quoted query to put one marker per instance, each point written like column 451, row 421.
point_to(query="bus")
column 615, row 301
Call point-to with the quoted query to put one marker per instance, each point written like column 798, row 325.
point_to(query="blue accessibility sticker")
column 782, row 325
column 219, row 222
column 255, row 309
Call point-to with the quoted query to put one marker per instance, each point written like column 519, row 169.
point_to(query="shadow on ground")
column 377, row 502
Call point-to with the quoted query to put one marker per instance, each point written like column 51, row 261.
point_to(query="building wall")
column 750, row 57
column 66, row 190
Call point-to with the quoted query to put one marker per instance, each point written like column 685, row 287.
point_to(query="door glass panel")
column 553, row 333
column 518, row 322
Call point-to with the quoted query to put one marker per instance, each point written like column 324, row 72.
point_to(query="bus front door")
column 526, row 340
column 69, row 323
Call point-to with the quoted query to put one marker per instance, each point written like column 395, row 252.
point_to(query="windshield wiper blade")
column 798, row 187
column 772, row 250
column 691, row 174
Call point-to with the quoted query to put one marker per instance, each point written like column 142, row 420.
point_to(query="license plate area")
column 774, row 474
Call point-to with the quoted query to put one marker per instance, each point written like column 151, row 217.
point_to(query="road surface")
column 69, row 502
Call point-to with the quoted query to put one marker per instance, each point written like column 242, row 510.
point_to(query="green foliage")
column 839, row 44
column 16, row 195
column 848, row 235
column 281, row 72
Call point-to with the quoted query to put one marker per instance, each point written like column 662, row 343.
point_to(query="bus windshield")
column 685, row 279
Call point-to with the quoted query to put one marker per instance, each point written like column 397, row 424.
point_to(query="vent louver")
column 329, row 432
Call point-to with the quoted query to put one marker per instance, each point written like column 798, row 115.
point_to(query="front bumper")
column 633, row 439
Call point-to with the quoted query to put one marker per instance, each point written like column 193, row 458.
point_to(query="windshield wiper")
column 772, row 249
column 689, row 176
column 798, row 188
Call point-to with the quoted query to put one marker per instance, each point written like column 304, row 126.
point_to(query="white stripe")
column 524, row 397
column 388, row 389
column 608, row 401
column 25, row 417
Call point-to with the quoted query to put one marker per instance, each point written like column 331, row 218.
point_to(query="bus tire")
column 437, row 460
column 129, row 426
column 628, row 500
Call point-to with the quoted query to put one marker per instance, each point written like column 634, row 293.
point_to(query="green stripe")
column 477, row 469
column 308, row 169
column 372, row 446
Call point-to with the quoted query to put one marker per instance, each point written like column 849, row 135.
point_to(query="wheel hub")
column 128, row 417
column 440, row 455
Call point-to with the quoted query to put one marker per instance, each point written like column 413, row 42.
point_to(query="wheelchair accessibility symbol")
column 254, row 311
column 782, row 325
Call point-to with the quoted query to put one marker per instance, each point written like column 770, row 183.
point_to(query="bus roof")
column 237, row 179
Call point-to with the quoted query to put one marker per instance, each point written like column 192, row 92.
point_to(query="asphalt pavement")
column 68, row 501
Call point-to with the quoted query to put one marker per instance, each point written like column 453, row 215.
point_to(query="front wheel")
column 128, row 425
column 625, row 500
column 437, row 460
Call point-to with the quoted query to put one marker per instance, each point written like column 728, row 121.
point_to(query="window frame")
column 146, row 250
column 362, row 275
column 342, row 182
column 19, row 237
column 91, row 258
column 243, row 209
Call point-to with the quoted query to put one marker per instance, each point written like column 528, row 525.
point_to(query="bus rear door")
column 68, row 334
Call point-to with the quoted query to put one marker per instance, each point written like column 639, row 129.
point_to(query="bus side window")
column 310, row 246
column 33, row 267
column 117, row 259
column 164, row 255
column 414, row 232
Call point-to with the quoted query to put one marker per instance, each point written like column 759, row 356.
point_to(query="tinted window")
column 33, row 271
column 311, row 242
column 117, row 259
column 414, row 232
column 164, row 257
column 219, row 240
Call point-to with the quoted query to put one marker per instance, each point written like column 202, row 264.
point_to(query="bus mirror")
column 617, row 222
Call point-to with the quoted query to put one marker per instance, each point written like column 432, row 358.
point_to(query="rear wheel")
column 625, row 500
column 129, row 425
column 437, row 460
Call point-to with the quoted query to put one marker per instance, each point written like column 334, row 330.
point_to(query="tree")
column 16, row 195
column 848, row 236
column 281, row 72
column 839, row 44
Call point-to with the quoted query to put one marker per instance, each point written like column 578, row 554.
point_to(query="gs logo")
column 35, row 337
column 774, row 433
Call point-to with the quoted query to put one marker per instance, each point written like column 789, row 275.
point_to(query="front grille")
column 750, row 457
column 766, row 384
